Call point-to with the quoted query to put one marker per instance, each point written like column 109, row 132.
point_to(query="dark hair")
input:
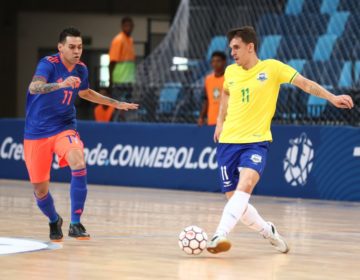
column 69, row 31
column 220, row 54
column 246, row 33
column 126, row 19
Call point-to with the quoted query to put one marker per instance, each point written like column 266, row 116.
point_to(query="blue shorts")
column 232, row 157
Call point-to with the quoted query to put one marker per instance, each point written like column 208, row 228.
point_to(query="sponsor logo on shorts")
column 255, row 158
column 227, row 184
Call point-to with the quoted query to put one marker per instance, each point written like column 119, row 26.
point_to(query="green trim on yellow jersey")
column 291, row 80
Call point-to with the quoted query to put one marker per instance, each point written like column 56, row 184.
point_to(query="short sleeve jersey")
column 252, row 101
column 51, row 113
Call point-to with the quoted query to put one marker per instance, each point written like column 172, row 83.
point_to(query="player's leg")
column 38, row 158
column 255, row 158
column 69, row 148
column 228, row 161
column 252, row 219
column 233, row 211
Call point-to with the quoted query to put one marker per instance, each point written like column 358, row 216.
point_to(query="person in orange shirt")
column 122, row 63
column 213, row 87
column 103, row 113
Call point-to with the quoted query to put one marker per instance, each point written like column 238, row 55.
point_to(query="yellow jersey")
column 252, row 100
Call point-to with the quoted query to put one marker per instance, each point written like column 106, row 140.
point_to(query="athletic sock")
column 253, row 220
column 78, row 192
column 233, row 211
column 46, row 205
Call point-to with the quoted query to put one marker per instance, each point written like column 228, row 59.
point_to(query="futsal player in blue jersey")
column 50, row 127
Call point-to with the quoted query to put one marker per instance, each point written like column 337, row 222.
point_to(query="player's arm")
column 111, row 69
column 96, row 97
column 39, row 85
column 311, row 87
column 203, row 110
column 224, row 99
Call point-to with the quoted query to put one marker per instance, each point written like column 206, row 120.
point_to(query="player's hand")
column 127, row 106
column 200, row 121
column 71, row 81
column 218, row 130
column 342, row 101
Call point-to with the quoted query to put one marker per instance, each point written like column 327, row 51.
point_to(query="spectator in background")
column 213, row 87
column 122, row 63
column 103, row 113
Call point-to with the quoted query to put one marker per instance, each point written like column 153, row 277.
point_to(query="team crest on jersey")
column 262, row 77
column 216, row 93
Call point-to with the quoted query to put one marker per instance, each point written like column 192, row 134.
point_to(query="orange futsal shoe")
column 78, row 231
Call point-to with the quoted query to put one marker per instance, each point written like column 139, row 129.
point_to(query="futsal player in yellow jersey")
column 247, row 106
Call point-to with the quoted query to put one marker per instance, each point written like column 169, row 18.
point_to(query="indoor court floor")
column 135, row 236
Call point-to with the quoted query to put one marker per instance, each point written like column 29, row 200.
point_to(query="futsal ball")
column 192, row 240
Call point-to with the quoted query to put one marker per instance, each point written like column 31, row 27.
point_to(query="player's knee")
column 246, row 185
column 75, row 159
column 40, row 190
column 78, row 164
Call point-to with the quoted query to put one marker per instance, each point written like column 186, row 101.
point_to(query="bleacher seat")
column 350, row 75
column 217, row 43
column 296, row 47
column 269, row 46
column 353, row 25
column 294, row 7
column 311, row 6
column 357, row 73
column 315, row 106
column 346, row 79
column 268, row 24
column 324, row 47
column 303, row 24
column 298, row 64
column 168, row 97
column 337, row 23
column 346, row 47
column 329, row 6
column 326, row 73
column 349, row 5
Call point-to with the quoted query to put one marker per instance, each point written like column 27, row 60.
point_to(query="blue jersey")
column 50, row 113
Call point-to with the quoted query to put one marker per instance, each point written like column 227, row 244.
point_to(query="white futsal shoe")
column 219, row 243
column 276, row 240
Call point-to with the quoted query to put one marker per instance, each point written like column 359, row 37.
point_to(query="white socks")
column 238, row 208
column 253, row 220
column 233, row 211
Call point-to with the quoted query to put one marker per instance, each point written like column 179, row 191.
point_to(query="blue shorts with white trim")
column 232, row 157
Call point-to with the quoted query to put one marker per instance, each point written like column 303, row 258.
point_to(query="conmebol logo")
column 130, row 156
column 11, row 150
column 299, row 160
column 150, row 157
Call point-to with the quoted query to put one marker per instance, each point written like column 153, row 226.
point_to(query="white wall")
column 41, row 30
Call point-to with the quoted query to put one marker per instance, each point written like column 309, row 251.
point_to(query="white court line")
column 10, row 245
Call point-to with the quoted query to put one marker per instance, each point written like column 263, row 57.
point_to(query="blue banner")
column 304, row 161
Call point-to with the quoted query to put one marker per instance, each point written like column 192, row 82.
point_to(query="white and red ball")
column 192, row 240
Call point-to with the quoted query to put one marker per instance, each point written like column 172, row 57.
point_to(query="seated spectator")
column 103, row 113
